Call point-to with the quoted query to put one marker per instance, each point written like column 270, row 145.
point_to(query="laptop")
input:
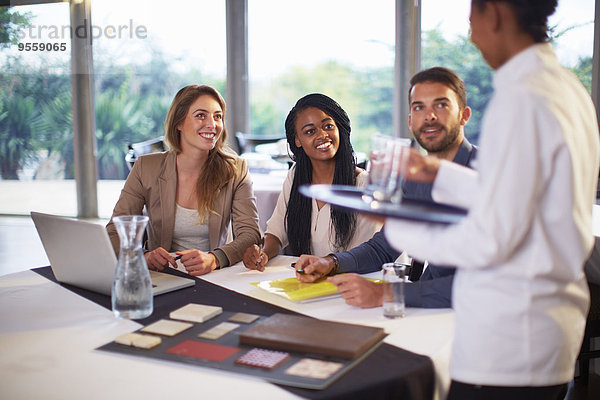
column 81, row 255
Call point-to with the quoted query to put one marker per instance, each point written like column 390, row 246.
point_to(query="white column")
column 84, row 122
column 237, row 96
column 408, row 60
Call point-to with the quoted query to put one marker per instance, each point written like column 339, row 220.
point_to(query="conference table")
column 50, row 334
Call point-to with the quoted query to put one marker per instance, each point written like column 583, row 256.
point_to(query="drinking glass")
column 387, row 160
column 393, row 289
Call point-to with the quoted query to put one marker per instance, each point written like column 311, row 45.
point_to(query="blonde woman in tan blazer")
column 193, row 191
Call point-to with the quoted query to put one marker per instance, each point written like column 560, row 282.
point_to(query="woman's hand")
column 158, row 259
column 421, row 168
column 198, row 262
column 255, row 258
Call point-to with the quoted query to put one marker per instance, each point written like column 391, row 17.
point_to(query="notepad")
column 294, row 290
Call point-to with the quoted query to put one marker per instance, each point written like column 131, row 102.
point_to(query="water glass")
column 393, row 289
column 387, row 160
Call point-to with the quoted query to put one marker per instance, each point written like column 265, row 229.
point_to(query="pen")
column 261, row 246
column 300, row 271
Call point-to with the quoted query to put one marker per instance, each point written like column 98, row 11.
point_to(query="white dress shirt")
column 520, row 295
column 322, row 239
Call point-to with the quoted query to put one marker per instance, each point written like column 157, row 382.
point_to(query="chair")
column 242, row 142
column 247, row 142
column 592, row 330
column 416, row 270
column 148, row 146
column 592, row 327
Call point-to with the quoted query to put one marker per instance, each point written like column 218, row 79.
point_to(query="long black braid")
column 299, row 210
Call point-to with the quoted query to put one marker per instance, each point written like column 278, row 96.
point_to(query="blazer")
column 151, row 187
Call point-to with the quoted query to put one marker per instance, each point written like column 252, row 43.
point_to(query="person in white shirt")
column 520, row 294
column 318, row 134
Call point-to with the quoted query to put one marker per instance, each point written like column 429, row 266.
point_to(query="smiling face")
column 317, row 133
column 436, row 119
column 203, row 124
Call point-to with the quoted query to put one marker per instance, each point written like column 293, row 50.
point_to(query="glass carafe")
column 132, row 286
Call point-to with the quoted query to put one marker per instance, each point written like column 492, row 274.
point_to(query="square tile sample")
column 218, row 330
column 311, row 368
column 203, row 350
column 262, row 358
column 243, row 318
column 166, row 327
column 138, row 340
column 195, row 312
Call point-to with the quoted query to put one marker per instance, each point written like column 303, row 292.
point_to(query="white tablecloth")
column 48, row 335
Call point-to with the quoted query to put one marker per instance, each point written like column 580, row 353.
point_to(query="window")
column 140, row 62
column 36, row 140
column 145, row 51
column 445, row 42
column 342, row 49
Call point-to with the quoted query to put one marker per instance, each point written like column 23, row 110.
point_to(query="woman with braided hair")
column 318, row 134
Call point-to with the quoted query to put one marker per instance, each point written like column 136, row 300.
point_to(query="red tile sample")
column 203, row 350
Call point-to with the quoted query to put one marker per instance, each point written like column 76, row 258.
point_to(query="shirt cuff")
column 412, row 295
column 221, row 258
column 454, row 185
column 347, row 262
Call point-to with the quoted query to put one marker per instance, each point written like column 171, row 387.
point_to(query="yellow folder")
column 294, row 290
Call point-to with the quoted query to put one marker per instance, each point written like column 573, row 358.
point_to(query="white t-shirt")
column 520, row 295
column 189, row 233
column 322, row 239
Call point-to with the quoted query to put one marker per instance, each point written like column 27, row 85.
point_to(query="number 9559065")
column 42, row 46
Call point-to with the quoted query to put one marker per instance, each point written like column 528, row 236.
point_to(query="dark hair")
column 444, row 76
column 299, row 209
column 532, row 15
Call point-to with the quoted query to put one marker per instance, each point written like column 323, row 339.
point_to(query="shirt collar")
column 463, row 155
column 522, row 64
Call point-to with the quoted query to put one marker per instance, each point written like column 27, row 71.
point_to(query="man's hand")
column 314, row 267
column 358, row 291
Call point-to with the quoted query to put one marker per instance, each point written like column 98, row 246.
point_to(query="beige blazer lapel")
column 167, row 188
column 215, row 221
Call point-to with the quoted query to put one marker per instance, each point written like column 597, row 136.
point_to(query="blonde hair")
column 219, row 168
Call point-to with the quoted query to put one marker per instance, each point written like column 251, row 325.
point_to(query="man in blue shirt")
column 438, row 114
